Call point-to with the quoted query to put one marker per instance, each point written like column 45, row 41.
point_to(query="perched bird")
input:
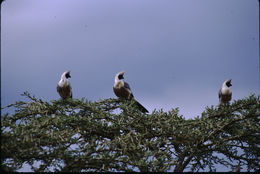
column 225, row 93
column 123, row 90
column 63, row 87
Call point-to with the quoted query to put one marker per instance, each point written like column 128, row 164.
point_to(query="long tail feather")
column 141, row 107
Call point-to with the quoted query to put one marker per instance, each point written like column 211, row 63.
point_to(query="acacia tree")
column 112, row 135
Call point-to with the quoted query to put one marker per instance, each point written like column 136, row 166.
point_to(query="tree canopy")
column 112, row 135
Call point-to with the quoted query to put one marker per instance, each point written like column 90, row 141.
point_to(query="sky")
column 176, row 53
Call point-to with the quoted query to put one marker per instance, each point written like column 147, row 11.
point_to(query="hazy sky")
column 176, row 53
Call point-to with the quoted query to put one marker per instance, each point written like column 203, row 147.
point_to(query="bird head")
column 120, row 75
column 228, row 82
column 67, row 74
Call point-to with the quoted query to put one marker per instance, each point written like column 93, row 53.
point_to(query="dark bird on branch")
column 225, row 93
column 64, row 87
column 122, row 90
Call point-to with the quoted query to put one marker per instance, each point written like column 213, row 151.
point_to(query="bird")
column 64, row 87
column 225, row 93
column 122, row 90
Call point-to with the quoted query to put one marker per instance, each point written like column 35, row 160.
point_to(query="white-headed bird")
column 64, row 87
column 225, row 93
column 122, row 90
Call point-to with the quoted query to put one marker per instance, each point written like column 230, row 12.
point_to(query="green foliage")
column 112, row 135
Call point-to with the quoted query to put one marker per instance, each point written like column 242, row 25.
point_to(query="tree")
column 112, row 135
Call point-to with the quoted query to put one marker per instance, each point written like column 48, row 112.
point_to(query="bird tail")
column 141, row 107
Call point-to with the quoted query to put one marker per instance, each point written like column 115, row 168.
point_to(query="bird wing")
column 59, row 90
column 127, row 87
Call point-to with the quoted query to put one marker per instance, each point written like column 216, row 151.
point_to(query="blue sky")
column 176, row 53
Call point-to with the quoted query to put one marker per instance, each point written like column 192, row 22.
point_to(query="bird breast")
column 119, row 84
column 225, row 91
column 63, row 83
